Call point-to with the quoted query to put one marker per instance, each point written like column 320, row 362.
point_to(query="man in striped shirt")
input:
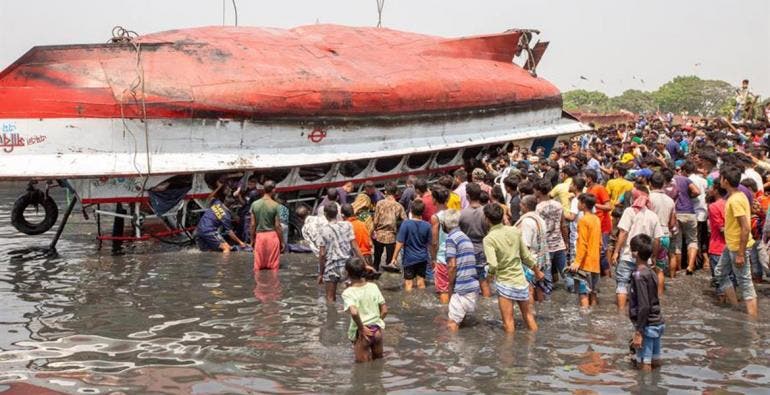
column 461, row 267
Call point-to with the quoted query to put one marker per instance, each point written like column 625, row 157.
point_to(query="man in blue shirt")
column 374, row 194
column 414, row 237
column 674, row 148
column 594, row 164
column 216, row 221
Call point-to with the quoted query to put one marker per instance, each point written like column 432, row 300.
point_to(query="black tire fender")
column 34, row 198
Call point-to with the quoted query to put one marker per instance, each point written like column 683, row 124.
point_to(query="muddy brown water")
column 163, row 319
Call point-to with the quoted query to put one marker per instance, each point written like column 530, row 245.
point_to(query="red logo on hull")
column 317, row 135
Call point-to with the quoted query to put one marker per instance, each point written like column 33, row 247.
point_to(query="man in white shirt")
column 461, row 180
column 701, row 209
column 749, row 172
column 533, row 233
column 637, row 219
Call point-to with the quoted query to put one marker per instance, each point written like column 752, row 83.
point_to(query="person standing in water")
column 463, row 282
column 367, row 308
column 588, row 249
column 414, row 237
column 738, row 242
column 473, row 224
column 266, row 230
column 644, row 305
column 637, row 219
column 507, row 255
column 388, row 214
column 336, row 244
column 533, row 232
column 438, row 243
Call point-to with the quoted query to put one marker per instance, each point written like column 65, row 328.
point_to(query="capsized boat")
column 306, row 107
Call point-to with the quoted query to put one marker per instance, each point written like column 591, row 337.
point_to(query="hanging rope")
column 526, row 36
column 121, row 35
column 235, row 8
column 380, row 6
column 136, row 90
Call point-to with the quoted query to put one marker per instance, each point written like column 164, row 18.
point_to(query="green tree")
column 694, row 96
column 583, row 100
column 683, row 94
column 635, row 101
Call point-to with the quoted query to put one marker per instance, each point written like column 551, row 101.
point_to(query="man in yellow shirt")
column 561, row 191
column 618, row 186
column 738, row 242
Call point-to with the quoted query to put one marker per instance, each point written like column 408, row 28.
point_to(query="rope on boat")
column 121, row 35
column 380, row 6
column 235, row 8
column 526, row 36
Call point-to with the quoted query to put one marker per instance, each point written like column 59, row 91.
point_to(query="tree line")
column 683, row 94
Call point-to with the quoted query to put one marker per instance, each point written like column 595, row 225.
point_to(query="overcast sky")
column 603, row 40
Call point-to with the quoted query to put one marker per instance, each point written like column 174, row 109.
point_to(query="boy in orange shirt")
column 589, row 239
column 361, row 233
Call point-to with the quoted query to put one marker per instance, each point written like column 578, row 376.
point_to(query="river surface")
column 160, row 319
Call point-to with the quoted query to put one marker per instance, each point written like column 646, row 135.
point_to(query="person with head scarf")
column 637, row 219
column 363, row 209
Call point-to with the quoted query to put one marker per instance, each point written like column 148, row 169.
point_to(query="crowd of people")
column 631, row 204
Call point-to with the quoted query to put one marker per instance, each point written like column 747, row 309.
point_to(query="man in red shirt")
column 424, row 194
column 603, row 209
column 716, row 212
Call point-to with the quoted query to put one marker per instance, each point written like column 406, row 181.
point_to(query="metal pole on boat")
column 99, row 224
column 137, row 220
column 70, row 207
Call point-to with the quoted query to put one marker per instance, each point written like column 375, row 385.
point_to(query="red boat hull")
column 255, row 73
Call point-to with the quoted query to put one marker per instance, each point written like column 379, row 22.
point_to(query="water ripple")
column 157, row 319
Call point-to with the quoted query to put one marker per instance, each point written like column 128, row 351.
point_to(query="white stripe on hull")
column 83, row 148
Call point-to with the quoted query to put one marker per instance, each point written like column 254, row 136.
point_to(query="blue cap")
column 646, row 173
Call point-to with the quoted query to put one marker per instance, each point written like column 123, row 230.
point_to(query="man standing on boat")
column 743, row 103
column 266, row 229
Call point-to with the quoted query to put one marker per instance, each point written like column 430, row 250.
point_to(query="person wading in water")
column 267, row 231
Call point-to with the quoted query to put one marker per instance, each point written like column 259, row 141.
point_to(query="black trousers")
column 378, row 249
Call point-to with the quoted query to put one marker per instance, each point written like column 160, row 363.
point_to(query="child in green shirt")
column 367, row 310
